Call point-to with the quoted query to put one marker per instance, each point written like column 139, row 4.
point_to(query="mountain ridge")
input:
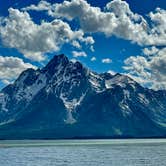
column 64, row 99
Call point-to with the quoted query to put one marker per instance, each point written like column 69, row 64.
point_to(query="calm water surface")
column 83, row 153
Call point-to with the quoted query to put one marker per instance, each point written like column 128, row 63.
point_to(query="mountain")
column 66, row 100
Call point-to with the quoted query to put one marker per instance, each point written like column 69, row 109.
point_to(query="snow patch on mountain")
column 120, row 80
column 95, row 81
column 108, row 84
column 3, row 101
column 124, row 104
column 143, row 99
column 71, row 105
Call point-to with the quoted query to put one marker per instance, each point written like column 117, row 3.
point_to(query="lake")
column 104, row 152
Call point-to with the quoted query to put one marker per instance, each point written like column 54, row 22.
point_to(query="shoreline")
column 78, row 142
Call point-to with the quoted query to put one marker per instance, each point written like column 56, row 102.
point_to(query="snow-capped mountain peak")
column 67, row 93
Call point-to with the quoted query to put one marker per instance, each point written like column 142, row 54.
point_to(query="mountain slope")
column 65, row 100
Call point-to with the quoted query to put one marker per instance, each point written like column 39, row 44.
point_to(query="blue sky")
column 140, row 48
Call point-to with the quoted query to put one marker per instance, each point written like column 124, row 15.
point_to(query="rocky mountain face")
column 66, row 100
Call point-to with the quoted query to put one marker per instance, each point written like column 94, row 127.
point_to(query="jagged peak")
column 124, row 78
column 28, row 73
column 106, row 75
column 118, row 74
column 60, row 64
column 56, row 60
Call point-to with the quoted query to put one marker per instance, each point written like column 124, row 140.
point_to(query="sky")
column 128, row 37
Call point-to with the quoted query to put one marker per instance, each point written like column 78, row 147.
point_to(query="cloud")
column 42, row 5
column 106, row 60
column 33, row 40
column 76, row 44
column 116, row 19
column 149, row 70
column 157, row 35
column 79, row 54
column 93, row 59
column 129, row 25
column 92, row 48
column 150, row 51
column 11, row 67
column 19, row 31
column 6, row 82
column 92, row 19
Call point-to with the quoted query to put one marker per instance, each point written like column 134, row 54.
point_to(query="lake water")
column 133, row 152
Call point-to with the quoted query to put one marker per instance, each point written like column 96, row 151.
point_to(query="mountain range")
column 65, row 99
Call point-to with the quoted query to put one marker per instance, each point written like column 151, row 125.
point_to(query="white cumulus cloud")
column 117, row 19
column 19, row 31
column 79, row 54
column 11, row 67
column 93, row 59
column 106, row 60
column 150, row 51
column 33, row 40
column 42, row 5
column 148, row 70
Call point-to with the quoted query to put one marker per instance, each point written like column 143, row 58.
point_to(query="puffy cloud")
column 149, row 70
column 157, row 31
column 150, row 51
column 106, row 60
column 87, row 40
column 33, row 40
column 117, row 19
column 11, row 67
column 130, row 26
column 158, row 62
column 79, row 54
column 92, row 19
column 6, row 82
column 76, row 44
column 138, row 65
column 42, row 5
column 93, row 59
column 92, row 48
